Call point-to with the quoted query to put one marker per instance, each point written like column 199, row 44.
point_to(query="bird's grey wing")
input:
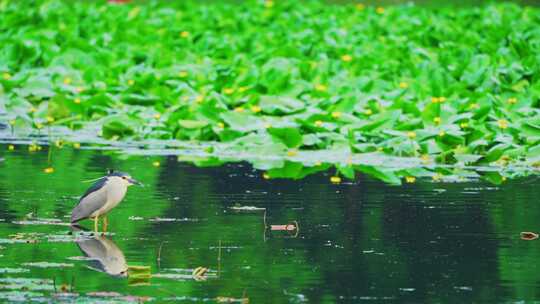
column 89, row 203
column 95, row 186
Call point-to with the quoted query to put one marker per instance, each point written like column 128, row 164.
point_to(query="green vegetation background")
column 447, row 85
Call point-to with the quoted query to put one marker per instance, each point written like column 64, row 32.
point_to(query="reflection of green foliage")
column 404, row 81
column 518, row 258
column 169, row 192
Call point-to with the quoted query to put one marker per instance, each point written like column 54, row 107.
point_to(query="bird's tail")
column 76, row 215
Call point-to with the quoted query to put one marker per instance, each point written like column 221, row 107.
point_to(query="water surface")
column 357, row 241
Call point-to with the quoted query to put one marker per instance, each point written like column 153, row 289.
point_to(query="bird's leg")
column 96, row 220
column 105, row 223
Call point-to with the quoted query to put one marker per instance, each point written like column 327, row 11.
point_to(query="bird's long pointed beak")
column 135, row 182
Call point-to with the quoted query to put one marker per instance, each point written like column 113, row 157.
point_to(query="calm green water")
column 361, row 241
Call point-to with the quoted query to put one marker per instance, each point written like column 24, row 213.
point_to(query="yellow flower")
column 243, row 89
column 411, row 134
column 255, row 109
column 368, row 112
column 292, row 153
column 380, row 10
column 464, row 125
column 318, row 163
column 266, row 176
column 442, row 133
column 442, row 99
column 512, row 100
column 156, row 164
column 39, row 125
column 318, row 123
column 410, row 179
column 239, row 109
column 268, row 126
column 437, row 120
column 434, row 99
column 32, row 110
column 76, row 145
column 6, row 76
column 11, row 147
column 437, row 177
column 48, row 170
column 360, row 6
column 268, row 4
column 184, row 34
column 77, row 100
column 183, row 74
column 320, row 87
column 32, row 148
column 403, row 85
column 50, row 119
column 221, row 125
column 131, row 82
column 67, row 80
column 425, row 158
column 157, row 116
column 335, row 179
column 228, row 91
column 346, row 58
column 503, row 123
column 199, row 99
column 336, row 114
column 12, row 122
column 59, row 143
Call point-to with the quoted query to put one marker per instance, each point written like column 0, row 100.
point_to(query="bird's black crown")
column 111, row 172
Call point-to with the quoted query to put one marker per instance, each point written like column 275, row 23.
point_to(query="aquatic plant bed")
column 446, row 86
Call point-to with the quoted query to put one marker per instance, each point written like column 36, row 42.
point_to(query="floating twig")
column 159, row 255
column 219, row 258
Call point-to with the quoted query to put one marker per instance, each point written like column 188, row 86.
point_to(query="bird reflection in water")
column 103, row 254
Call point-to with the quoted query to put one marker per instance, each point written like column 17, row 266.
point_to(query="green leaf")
column 279, row 105
column 385, row 175
column 137, row 99
column 291, row 137
column 192, row 124
column 120, row 126
column 242, row 122
column 495, row 153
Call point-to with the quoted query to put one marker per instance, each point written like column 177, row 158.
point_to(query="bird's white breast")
column 116, row 190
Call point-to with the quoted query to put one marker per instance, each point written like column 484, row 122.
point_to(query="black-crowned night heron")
column 105, row 194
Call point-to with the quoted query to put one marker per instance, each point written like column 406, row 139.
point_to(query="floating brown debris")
column 529, row 236
column 291, row 230
column 288, row 227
